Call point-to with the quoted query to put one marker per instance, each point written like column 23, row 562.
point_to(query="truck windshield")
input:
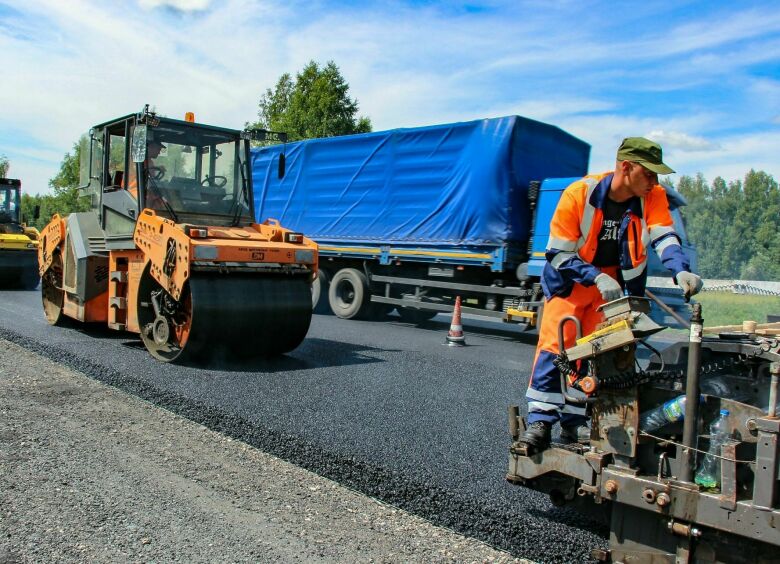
column 197, row 175
column 9, row 204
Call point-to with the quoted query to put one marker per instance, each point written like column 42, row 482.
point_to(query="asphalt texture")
column 383, row 407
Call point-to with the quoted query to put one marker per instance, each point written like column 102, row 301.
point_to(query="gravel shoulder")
column 90, row 473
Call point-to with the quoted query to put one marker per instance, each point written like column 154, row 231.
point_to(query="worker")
column 600, row 235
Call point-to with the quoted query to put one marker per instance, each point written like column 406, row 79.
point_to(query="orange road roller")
column 170, row 248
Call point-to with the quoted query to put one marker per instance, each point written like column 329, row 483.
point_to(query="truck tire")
column 349, row 295
column 319, row 292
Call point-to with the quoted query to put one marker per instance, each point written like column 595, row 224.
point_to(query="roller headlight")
column 304, row 256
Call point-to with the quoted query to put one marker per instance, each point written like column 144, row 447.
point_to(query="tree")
column 4, row 166
column 735, row 226
column 316, row 104
column 65, row 199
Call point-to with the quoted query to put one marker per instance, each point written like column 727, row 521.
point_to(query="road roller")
column 683, row 461
column 170, row 249
column 18, row 242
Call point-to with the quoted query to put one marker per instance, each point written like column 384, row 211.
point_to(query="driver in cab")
column 153, row 171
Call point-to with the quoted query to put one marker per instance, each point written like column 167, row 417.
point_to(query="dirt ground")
column 91, row 474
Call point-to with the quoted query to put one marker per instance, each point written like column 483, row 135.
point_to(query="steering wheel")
column 217, row 181
column 156, row 172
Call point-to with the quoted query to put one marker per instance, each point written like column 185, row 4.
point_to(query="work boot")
column 537, row 435
column 575, row 434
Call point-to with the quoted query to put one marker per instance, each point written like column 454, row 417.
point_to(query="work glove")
column 689, row 283
column 609, row 287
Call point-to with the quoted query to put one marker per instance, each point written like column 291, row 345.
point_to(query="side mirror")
column 282, row 165
column 36, row 212
column 138, row 147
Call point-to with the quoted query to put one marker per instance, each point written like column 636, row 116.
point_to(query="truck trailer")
column 412, row 218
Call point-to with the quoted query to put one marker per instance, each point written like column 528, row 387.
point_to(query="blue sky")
column 700, row 77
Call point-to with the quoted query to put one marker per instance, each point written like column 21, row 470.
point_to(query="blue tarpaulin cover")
column 454, row 184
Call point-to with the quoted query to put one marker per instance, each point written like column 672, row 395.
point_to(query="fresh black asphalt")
column 382, row 406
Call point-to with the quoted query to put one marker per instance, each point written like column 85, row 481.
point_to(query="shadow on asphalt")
column 311, row 354
column 494, row 331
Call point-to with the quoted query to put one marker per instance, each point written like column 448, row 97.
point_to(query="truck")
column 170, row 250
column 412, row 218
column 18, row 242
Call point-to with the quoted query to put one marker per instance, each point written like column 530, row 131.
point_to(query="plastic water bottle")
column 669, row 412
column 708, row 475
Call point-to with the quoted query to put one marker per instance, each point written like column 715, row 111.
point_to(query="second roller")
column 170, row 249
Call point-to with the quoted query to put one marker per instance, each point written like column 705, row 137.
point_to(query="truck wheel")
column 349, row 295
column 411, row 315
column 319, row 292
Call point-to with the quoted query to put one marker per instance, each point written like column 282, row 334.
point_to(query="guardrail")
column 752, row 287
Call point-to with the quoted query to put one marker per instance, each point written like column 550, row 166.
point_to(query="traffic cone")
column 455, row 337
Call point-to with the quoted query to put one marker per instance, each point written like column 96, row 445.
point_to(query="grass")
column 725, row 308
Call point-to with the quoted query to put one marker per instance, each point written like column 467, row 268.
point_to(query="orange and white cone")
column 455, row 337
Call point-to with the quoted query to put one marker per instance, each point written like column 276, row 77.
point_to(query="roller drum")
column 233, row 316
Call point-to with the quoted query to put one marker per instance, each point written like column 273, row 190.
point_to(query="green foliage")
column 4, row 166
column 735, row 226
column 726, row 308
column 316, row 104
column 65, row 198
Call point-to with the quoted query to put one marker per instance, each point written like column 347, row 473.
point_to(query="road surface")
column 381, row 407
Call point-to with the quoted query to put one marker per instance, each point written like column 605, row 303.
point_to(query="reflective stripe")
column 645, row 235
column 573, row 409
column 660, row 230
column 561, row 244
column 587, row 220
column 560, row 258
column 587, row 213
column 665, row 244
column 549, row 397
column 541, row 406
column 632, row 273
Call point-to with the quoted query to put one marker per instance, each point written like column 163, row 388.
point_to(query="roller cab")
column 170, row 249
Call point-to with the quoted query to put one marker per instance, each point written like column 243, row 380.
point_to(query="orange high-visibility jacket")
column 574, row 233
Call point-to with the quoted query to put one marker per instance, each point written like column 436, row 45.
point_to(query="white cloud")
column 681, row 141
column 741, row 152
column 79, row 63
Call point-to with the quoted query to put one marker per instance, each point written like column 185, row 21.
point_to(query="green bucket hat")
column 644, row 152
